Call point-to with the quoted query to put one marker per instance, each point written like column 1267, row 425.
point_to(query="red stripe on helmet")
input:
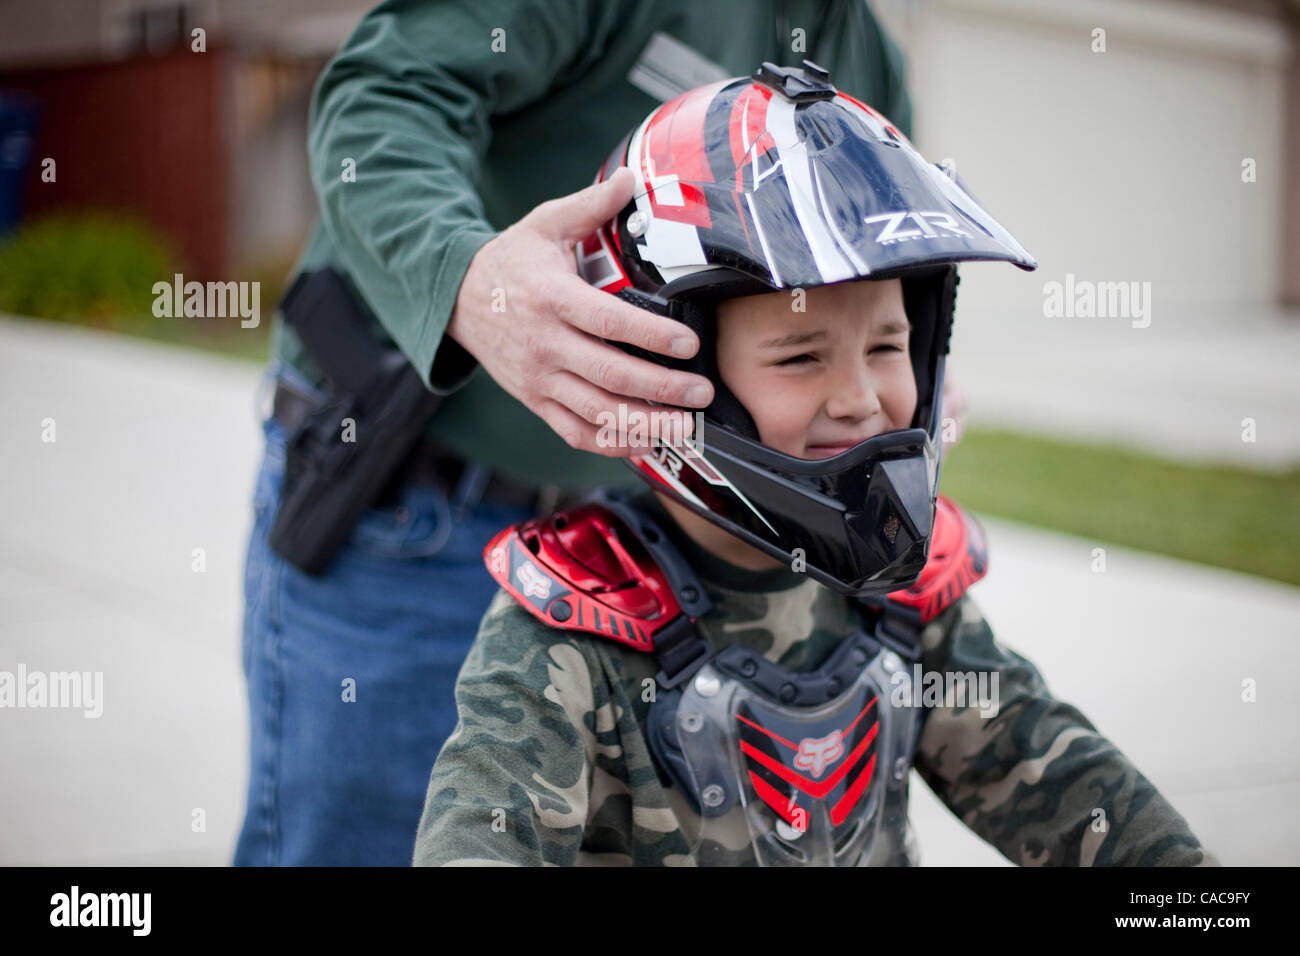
column 748, row 120
column 672, row 145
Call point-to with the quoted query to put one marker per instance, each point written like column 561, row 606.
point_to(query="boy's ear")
column 700, row 316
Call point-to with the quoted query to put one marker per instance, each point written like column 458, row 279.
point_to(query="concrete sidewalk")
column 154, row 457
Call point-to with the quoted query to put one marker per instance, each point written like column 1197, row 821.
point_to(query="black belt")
column 429, row 464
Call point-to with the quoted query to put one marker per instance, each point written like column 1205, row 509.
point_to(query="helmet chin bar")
column 859, row 522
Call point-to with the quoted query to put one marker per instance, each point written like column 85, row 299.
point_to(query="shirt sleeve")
column 897, row 102
column 512, row 784
column 399, row 125
column 865, row 51
column 1032, row 776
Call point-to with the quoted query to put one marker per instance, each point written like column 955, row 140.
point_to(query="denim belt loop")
column 262, row 400
column 469, row 489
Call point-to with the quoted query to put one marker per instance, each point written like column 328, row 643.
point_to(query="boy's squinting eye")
column 803, row 359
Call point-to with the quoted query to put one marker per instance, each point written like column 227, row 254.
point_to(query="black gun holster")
column 341, row 455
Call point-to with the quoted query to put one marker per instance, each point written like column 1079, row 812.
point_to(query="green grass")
column 1227, row 517
column 98, row 268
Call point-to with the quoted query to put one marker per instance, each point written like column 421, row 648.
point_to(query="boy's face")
column 820, row 381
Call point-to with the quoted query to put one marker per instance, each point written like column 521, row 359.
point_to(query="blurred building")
column 1127, row 164
column 1136, row 148
column 210, row 147
column 1114, row 165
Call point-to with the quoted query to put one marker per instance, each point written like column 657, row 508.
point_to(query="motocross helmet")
column 774, row 182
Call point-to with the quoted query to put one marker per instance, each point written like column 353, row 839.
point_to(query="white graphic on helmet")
column 762, row 239
column 924, row 220
column 832, row 264
column 667, row 464
column 670, row 461
column 535, row 583
column 846, row 247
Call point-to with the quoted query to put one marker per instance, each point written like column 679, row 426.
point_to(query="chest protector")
column 816, row 763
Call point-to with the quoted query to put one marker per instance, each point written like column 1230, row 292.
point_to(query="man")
column 439, row 136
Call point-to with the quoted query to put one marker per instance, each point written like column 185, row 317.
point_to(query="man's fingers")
column 576, row 432
column 609, row 317
column 626, row 376
column 564, row 423
column 576, row 216
column 619, row 423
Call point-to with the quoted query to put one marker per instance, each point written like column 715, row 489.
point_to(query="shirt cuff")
column 442, row 362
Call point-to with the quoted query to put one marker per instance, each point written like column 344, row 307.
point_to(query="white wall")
column 1123, row 165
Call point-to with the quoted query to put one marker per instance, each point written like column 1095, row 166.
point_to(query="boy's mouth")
column 831, row 450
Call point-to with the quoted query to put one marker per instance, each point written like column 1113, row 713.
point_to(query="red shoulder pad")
column 958, row 558
column 584, row 570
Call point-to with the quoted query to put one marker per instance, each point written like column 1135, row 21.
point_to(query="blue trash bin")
column 19, row 117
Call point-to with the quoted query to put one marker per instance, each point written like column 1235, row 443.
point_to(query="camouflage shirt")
column 550, row 762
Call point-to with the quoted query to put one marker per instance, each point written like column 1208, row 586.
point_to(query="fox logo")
column 498, row 560
column 816, row 754
column 535, row 583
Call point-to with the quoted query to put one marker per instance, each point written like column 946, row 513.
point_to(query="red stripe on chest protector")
column 853, row 794
column 784, row 808
column 815, row 790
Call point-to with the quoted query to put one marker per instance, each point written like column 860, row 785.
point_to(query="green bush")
column 96, row 268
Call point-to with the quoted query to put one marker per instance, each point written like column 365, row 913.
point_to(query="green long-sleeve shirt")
column 441, row 122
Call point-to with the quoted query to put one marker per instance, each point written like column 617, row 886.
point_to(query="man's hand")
column 545, row 348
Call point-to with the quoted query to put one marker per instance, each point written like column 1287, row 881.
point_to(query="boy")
column 721, row 670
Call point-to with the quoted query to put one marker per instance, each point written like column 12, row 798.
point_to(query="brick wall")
column 148, row 134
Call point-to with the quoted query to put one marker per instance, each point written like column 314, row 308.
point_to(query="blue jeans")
column 351, row 675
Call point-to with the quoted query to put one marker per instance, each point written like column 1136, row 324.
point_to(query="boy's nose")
column 853, row 395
